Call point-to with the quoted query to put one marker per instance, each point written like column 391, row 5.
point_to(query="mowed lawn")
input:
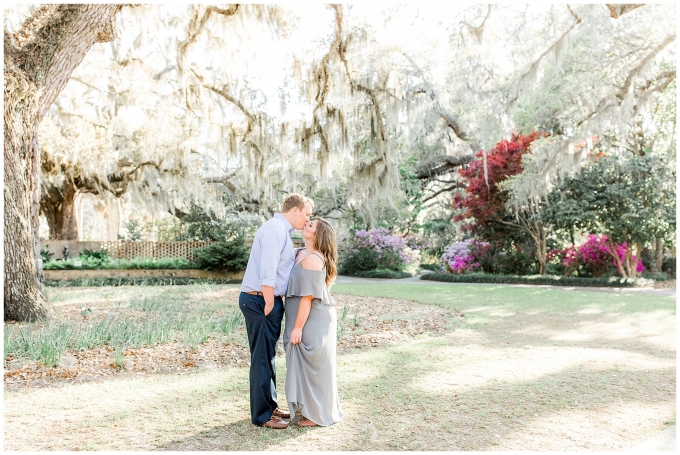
column 530, row 368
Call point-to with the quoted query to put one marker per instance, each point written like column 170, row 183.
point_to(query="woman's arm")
column 310, row 262
column 303, row 313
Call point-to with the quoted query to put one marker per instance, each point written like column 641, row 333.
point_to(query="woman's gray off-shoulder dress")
column 311, row 385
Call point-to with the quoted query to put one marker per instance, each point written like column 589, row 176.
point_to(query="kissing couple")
column 303, row 277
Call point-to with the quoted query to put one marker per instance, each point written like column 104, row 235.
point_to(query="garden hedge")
column 380, row 273
column 126, row 281
column 553, row 280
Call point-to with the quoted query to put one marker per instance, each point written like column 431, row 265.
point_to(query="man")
column 264, row 284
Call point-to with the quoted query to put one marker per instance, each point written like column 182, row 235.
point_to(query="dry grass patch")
column 364, row 322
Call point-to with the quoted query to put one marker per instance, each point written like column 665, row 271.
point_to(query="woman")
column 310, row 334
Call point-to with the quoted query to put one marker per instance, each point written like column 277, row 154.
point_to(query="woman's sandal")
column 305, row 422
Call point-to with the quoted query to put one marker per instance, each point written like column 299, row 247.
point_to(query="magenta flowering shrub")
column 461, row 257
column 568, row 258
column 596, row 251
column 595, row 254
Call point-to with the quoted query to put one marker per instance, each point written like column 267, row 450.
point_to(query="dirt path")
column 411, row 377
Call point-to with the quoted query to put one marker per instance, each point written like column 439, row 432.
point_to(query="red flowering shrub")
column 483, row 203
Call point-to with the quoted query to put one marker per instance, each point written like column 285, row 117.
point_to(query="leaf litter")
column 363, row 323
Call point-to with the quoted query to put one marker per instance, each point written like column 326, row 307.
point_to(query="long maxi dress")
column 311, row 384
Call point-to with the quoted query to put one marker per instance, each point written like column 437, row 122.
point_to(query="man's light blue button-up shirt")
column 272, row 257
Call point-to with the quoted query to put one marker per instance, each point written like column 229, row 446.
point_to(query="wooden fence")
column 129, row 250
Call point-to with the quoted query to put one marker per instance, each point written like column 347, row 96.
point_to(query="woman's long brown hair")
column 327, row 245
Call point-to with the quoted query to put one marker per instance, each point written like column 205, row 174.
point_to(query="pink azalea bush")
column 567, row 257
column 460, row 257
column 595, row 254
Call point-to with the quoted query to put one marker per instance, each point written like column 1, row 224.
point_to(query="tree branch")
column 616, row 11
column 437, row 193
column 448, row 118
column 221, row 179
column 534, row 66
column 442, row 164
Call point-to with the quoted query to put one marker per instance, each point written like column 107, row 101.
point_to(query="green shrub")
column 93, row 263
column 361, row 260
column 380, row 273
column 152, row 264
column 656, row 276
column 231, row 256
column 127, row 281
column 99, row 254
column 88, row 263
column 668, row 265
column 553, row 280
column 378, row 249
column 509, row 259
column 433, row 267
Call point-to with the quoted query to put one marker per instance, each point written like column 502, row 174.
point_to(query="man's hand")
column 268, row 307
column 296, row 335
column 268, row 294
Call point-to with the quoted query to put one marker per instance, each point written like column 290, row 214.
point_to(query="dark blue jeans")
column 263, row 336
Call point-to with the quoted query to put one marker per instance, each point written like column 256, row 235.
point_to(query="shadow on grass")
column 237, row 436
column 418, row 403
column 520, row 376
column 583, row 331
column 611, row 382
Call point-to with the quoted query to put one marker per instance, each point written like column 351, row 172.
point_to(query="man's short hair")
column 295, row 200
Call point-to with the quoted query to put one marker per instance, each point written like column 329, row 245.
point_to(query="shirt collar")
column 285, row 222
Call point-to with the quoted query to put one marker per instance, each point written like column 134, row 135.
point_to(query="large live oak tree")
column 356, row 93
column 39, row 59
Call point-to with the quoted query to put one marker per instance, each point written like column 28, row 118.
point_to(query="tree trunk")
column 541, row 248
column 658, row 254
column 536, row 231
column 620, row 265
column 633, row 263
column 58, row 206
column 38, row 61
column 112, row 218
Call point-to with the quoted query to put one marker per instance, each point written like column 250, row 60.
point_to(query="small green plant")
column 356, row 318
column 168, row 319
column 45, row 253
column 99, row 254
column 10, row 346
column 341, row 322
column 52, row 343
column 118, row 355
column 85, row 311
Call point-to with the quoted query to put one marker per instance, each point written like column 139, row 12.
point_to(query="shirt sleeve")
column 272, row 242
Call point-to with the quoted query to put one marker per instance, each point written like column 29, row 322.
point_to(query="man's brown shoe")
column 278, row 412
column 275, row 423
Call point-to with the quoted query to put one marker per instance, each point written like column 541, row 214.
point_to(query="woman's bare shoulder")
column 312, row 262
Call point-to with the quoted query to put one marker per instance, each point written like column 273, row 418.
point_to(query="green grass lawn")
column 529, row 369
column 476, row 298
